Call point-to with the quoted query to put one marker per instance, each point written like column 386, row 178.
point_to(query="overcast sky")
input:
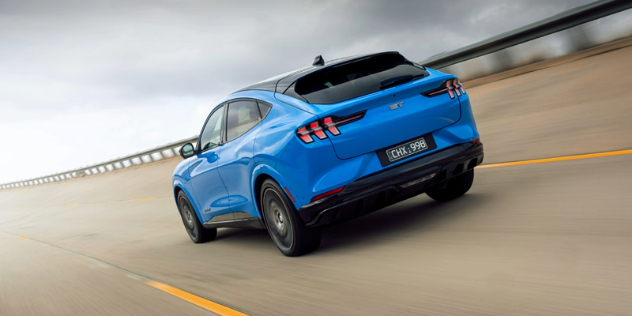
column 86, row 81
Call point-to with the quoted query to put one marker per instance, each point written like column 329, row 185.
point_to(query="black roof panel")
column 282, row 82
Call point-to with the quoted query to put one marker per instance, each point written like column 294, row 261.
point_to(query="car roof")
column 282, row 83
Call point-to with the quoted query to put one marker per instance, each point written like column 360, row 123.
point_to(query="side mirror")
column 187, row 150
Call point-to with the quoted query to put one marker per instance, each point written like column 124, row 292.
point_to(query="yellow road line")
column 73, row 204
column 194, row 299
column 574, row 157
column 22, row 237
column 143, row 199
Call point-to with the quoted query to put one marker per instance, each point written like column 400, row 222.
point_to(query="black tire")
column 455, row 187
column 285, row 226
column 191, row 222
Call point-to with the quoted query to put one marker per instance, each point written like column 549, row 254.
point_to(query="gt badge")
column 395, row 106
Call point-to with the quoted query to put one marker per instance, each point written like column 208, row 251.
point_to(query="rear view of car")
column 350, row 136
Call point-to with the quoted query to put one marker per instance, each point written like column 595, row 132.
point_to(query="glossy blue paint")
column 267, row 171
column 235, row 166
column 211, row 196
column 180, row 184
column 224, row 179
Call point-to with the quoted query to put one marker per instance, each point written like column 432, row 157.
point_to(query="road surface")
column 549, row 238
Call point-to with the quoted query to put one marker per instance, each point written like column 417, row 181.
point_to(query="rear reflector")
column 290, row 195
column 476, row 141
column 326, row 194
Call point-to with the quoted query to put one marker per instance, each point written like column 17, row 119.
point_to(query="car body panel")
column 223, row 180
column 235, row 165
column 206, row 183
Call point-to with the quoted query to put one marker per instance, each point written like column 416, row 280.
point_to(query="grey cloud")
column 62, row 58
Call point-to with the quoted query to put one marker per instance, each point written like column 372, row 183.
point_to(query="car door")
column 208, row 186
column 236, row 156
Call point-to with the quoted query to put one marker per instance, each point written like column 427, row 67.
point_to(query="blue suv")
column 325, row 144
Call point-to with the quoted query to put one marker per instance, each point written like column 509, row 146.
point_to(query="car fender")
column 265, row 169
column 179, row 184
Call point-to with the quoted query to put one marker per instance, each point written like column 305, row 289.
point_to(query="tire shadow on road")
column 237, row 234
column 418, row 215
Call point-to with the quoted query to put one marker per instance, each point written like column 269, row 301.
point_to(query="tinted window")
column 356, row 78
column 242, row 116
column 212, row 133
column 264, row 109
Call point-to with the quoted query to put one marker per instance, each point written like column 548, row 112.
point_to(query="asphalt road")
column 537, row 239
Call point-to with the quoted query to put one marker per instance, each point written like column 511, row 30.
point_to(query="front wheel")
column 285, row 227
column 194, row 228
column 455, row 187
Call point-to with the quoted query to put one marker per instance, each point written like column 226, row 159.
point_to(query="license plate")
column 405, row 150
column 390, row 155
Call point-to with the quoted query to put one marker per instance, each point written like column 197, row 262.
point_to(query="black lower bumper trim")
column 392, row 185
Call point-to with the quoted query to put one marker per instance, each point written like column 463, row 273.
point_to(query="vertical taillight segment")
column 304, row 135
column 460, row 86
column 452, row 87
column 329, row 123
column 331, row 126
column 317, row 130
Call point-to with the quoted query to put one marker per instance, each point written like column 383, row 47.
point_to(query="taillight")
column 317, row 130
column 452, row 87
column 330, row 123
column 331, row 126
column 303, row 134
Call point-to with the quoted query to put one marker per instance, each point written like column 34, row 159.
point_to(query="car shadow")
column 419, row 214
column 241, row 233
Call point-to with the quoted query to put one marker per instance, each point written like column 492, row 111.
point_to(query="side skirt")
column 235, row 220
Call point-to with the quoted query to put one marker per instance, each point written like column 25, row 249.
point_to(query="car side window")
column 264, row 109
column 212, row 133
column 242, row 116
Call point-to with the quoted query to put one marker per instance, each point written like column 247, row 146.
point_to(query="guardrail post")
column 579, row 38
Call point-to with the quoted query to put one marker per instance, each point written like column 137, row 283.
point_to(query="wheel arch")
column 180, row 187
column 262, row 173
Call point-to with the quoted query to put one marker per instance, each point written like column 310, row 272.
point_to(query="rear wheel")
column 285, row 227
column 455, row 187
column 194, row 228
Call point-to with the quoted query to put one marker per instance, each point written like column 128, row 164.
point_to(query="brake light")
column 452, row 87
column 326, row 194
column 460, row 86
column 331, row 126
column 303, row 134
column 330, row 123
column 317, row 130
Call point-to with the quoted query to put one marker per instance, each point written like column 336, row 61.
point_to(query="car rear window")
column 356, row 78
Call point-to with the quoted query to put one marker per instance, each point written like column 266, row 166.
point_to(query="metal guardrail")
column 556, row 23
column 560, row 22
column 169, row 150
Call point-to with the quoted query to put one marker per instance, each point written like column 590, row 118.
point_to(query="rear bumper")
column 392, row 185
